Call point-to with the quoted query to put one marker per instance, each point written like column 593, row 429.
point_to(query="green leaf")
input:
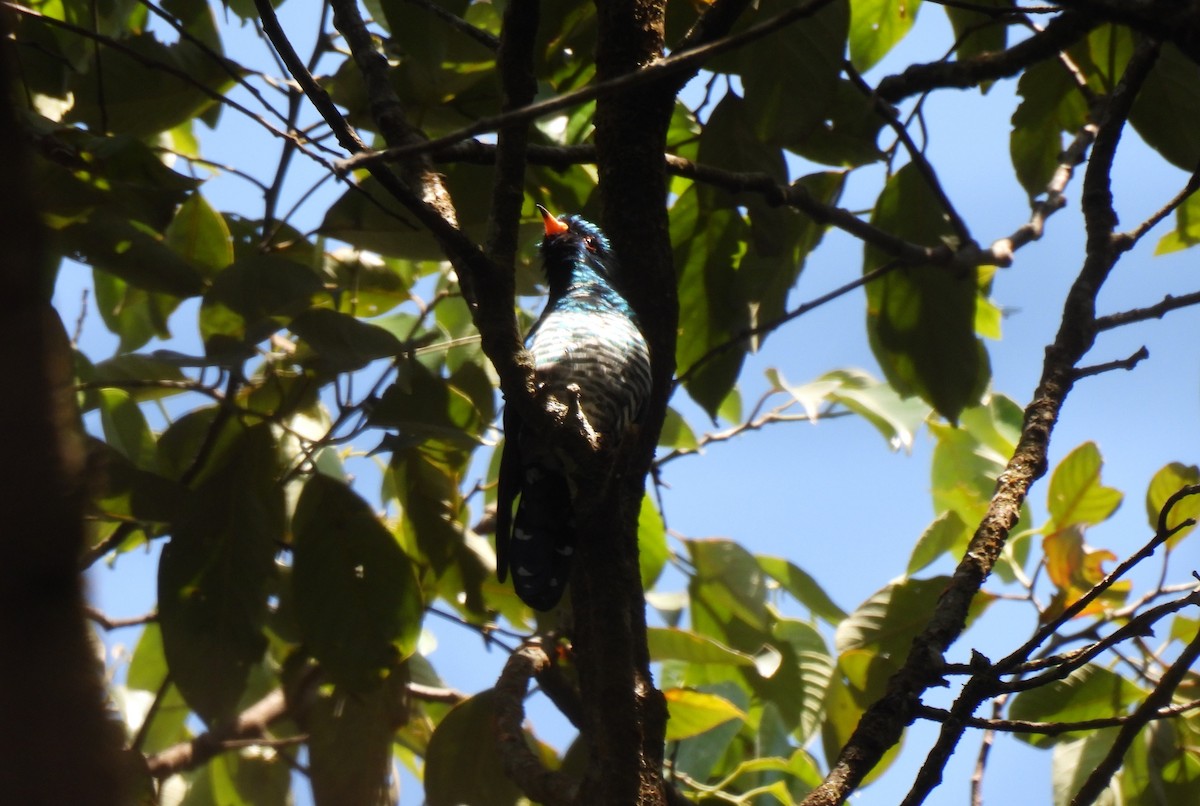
column 251, row 778
column 125, row 428
column 368, row 217
column 780, row 241
column 1166, row 112
column 199, row 234
column 147, row 671
column 368, row 285
column 350, row 741
column 187, row 440
column 875, row 28
column 341, row 342
column 694, row 712
column 806, row 590
column 712, row 313
column 698, row 756
column 462, row 764
column 848, row 135
column 652, row 543
column 253, row 298
column 1050, row 105
column 881, row 630
column 1074, row 761
column 811, row 56
column 676, row 433
column 132, row 251
column 976, row 32
column 1076, row 495
column 1090, row 692
column 946, row 535
column 729, row 581
column 128, row 492
column 1166, row 482
column 213, row 575
column 674, row 644
column 124, row 181
column 140, row 102
column 842, row 717
column 921, row 319
column 967, row 460
column 1187, row 227
column 132, row 313
column 422, row 405
column 896, row 417
column 358, row 602
column 805, row 648
column 135, row 373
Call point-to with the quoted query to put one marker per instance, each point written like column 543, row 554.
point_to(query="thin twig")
column 1054, row 728
column 1157, row 311
column 456, row 22
column 118, row 623
column 1193, row 183
column 1124, row 363
column 915, row 155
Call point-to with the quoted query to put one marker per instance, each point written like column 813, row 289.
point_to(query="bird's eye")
column 590, row 244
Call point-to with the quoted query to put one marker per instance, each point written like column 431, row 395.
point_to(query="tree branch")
column 1055, row 728
column 1157, row 311
column 1097, row 782
column 1059, row 34
column 523, row 767
column 880, row 727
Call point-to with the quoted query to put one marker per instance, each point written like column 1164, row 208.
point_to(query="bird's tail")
column 543, row 538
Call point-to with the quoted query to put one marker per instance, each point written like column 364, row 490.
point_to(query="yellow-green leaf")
column 1076, row 495
column 694, row 712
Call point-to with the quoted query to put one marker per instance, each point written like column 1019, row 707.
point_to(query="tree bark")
column 57, row 744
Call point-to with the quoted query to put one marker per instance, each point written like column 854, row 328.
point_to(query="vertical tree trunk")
column 57, row 745
column 625, row 713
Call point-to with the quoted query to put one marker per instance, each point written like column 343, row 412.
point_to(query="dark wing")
column 507, row 487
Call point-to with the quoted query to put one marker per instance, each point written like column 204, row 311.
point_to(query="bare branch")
column 1053, row 200
column 118, row 623
column 881, row 725
column 1060, row 33
column 1055, row 728
column 915, row 155
column 539, row 783
column 253, row 723
column 1163, row 533
column 1193, row 183
column 1097, row 782
column 1157, row 311
column 1124, row 363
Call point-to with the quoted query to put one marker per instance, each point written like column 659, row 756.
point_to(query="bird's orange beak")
column 553, row 225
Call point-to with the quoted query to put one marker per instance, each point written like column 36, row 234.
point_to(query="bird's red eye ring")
column 589, row 243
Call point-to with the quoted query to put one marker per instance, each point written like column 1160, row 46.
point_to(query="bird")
column 588, row 352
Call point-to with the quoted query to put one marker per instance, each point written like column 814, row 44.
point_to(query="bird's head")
column 574, row 248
